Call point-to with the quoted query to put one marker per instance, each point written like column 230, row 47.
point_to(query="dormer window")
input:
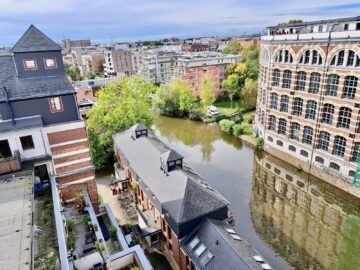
column 30, row 64
column 50, row 63
column 170, row 160
column 55, row 104
column 138, row 131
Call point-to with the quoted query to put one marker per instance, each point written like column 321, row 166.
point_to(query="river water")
column 292, row 219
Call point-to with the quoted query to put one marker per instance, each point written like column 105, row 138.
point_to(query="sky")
column 132, row 20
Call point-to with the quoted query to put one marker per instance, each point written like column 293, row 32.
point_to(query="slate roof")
column 33, row 40
column 139, row 127
column 21, row 123
column 171, row 155
column 183, row 193
column 29, row 87
column 228, row 253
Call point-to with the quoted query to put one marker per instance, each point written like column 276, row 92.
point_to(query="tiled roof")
column 21, row 123
column 33, row 40
column 222, row 250
column 29, row 87
column 182, row 192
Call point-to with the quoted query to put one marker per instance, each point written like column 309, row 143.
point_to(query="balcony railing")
column 10, row 164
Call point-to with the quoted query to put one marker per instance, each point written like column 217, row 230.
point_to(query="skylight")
column 236, row 237
column 231, row 231
column 194, row 242
column 206, row 257
column 200, row 250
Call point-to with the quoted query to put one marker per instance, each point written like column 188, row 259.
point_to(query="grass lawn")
column 225, row 106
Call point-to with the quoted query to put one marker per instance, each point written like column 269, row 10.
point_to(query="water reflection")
column 193, row 133
column 311, row 224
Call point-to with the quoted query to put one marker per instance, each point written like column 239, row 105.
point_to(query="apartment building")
column 177, row 208
column 123, row 62
column 40, row 125
column 193, row 67
column 68, row 44
column 308, row 98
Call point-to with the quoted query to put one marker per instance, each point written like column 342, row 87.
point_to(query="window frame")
column 274, row 100
column 355, row 152
column 55, row 63
column 51, row 104
column 332, row 85
column 295, row 131
column 328, row 113
column 344, row 118
column 272, row 122
column 276, row 77
column 282, row 126
column 284, row 103
column 300, row 81
column 308, row 134
column 298, row 106
column 324, row 140
column 350, row 87
column 339, row 146
column 314, row 84
column 286, row 82
column 26, row 67
column 310, row 112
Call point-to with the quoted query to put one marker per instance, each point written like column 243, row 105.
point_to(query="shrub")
column 220, row 117
column 70, row 224
column 71, row 241
column 238, row 129
column 128, row 228
column 112, row 231
column 85, row 219
column 209, row 120
column 226, row 125
column 259, row 144
column 100, row 200
column 195, row 114
column 250, row 119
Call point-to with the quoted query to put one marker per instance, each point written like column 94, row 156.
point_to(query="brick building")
column 308, row 102
column 176, row 206
column 40, row 123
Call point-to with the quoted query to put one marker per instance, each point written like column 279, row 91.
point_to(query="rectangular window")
column 50, row 63
column 324, row 139
column 27, row 142
column 287, row 79
column 314, row 83
column 310, row 110
column 30, row 64
column 332, row 85
column 355, row 152
column 300, row 81
column 55, row 104
column 5, row 150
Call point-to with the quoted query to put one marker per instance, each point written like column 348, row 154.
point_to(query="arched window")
column 283, row 56
column 300, row 81
column 308, row 135
column 332, row 85
column 314, row 83
column 272, row 122
column 276, row 77
column 270, row 139
column 324, row 138
column 297, row 107
column 282, row 126
column 355, row 152
column 310, row 109
column 344, row 117
column 328, row 113
column 304, row 153
column 274, row 101
column 345, row 58
column 339, row 146
column 284, row 103
column 334, row 166
column 262, row 117
column 310, row 57
column 319, row 160
column 292, row 148
column 279, row 143
column 287, row 79
column 350, row 85
column 295, row 131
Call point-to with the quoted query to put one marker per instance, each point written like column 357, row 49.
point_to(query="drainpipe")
column 322, row 94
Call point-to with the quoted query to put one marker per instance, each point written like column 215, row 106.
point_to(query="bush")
column 250, row 119
column 238, row 129
column 195, row 115
column 259, row 144
column 209, row 120
column 128, row 228
column 112, row 231
column 70, row 224
column 226, row 125
column 220, row 117
column 85, row 219
column 71, row 241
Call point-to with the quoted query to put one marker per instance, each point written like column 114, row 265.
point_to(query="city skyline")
column 110, row 20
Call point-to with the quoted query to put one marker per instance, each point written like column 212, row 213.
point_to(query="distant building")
column 68, row 44
column 192, row 68
column 308, row 96
column 247, row 41
column 194, row 47
column 120, row 62
column 85, row 99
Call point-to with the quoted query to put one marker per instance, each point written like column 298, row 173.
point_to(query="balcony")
column 10, row 164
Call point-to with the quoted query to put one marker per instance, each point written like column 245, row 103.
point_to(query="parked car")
column 212, row 111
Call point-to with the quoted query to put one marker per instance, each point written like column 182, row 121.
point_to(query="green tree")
column 175, row 99
column 120, row 105
column 248, row 94
column 240, row 69
column 233, row 47
column 73, row 72
column 90, row 75
column 232, row 86
column 250, row 56
column 207, row 95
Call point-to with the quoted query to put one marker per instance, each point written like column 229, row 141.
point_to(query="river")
column 293, row 219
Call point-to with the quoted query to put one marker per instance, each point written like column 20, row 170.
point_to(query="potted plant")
column 112, row 231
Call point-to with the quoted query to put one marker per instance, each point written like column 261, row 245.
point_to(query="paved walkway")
column 103, row 181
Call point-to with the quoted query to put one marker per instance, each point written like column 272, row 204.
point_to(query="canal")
column 294, row 220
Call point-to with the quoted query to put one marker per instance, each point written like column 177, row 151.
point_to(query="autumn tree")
column 120, row 105
column 207, row 95
column 233, row 47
